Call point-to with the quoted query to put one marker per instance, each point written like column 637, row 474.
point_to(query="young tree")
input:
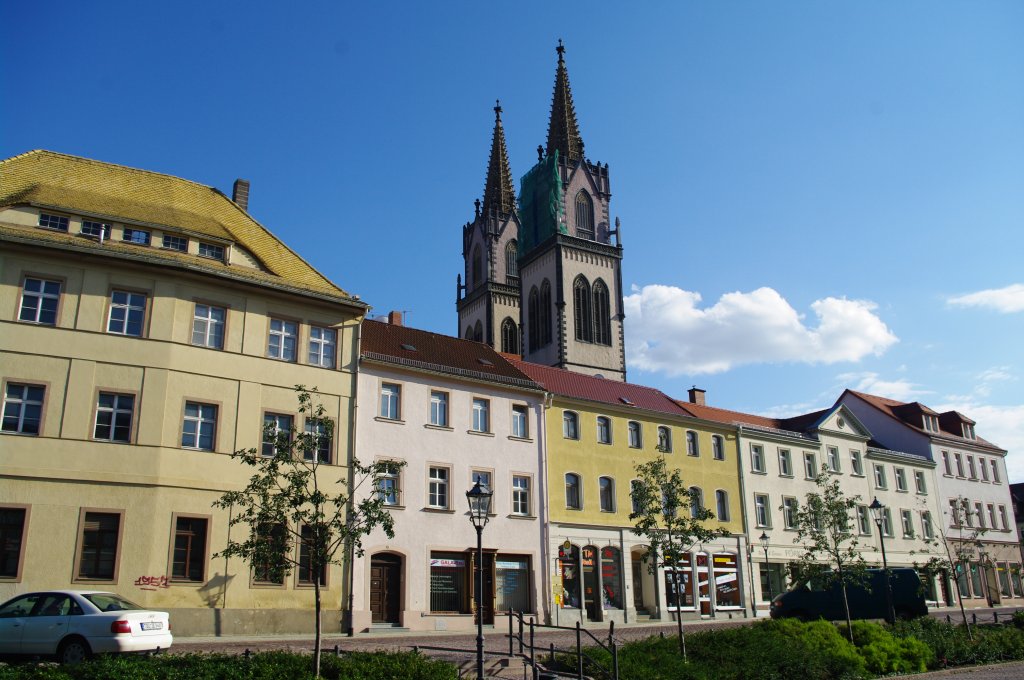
column 672, row 518
column 287, row 502
column 831, row 553
column 955, row 561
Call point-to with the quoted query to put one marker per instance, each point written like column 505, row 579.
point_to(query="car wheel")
column 73, row 650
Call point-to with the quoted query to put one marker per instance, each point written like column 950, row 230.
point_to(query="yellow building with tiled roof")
column 148, row 328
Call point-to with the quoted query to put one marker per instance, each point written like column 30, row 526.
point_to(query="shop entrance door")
column 385, row 589
column 704, row 583
column 592, row 584
column 638, row 585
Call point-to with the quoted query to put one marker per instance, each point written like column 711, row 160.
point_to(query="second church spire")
column 563, row 130
column 499, row 195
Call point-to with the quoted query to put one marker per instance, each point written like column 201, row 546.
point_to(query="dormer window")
column 55, row 222
column 968, row 431
column 97, row 229
column 136, row 236
column 211, row 251
column 175, row 243
column 931, row 423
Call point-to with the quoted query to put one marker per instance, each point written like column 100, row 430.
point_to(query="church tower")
column 570, row 273
column 488, row 303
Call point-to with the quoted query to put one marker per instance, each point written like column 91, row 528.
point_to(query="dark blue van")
column 810, row 600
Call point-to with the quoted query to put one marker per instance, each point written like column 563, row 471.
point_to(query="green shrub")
column 953, row 647
column 1018, row 618
column 886, row 654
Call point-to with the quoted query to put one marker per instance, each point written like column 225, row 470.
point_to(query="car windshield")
column 109, row 602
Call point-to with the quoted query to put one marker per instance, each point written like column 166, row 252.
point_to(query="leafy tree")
column 288, row 502
column 954, row 556
column 672, row 518
column 831, row 550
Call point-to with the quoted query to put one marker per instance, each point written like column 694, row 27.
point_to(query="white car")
column 75, row 624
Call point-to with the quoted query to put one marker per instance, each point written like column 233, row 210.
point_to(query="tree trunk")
column 317, row 642
column 960, row 599
column 679, row 609
column 846, row 605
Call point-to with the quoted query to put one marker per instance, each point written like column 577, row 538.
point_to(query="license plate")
column 152, row 625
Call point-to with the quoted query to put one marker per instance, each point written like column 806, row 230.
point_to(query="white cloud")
column 670, row 333
column 1006, row 300
column 1001, row 425
column 866, row 381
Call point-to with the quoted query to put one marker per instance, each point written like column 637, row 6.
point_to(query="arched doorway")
column 386, row 589
column 593, row 599
column 643, row 581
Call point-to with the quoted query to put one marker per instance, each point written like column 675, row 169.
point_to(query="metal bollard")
column 552, row 653
column 579, row 653
column 974, row 617
column 337, row 650
column 247, row 653
column 995, row 617
column 949, row 619
column 511, row 649
column 533, row 656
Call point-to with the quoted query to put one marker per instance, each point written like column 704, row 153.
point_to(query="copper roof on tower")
column 499, row 194
column 563, row 130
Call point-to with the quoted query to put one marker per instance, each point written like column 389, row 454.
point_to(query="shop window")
column 611, row 577
column 568, row 571
column 449, row 583
column 727, row 584
column 684, row 572
column 513, row 583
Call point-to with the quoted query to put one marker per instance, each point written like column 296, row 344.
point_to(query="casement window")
column 604, row 430
column 139, row 237
column 856, row 463
column 269, row 567
column 483, row 478
column 919, row 482
column 879, row 476
column 946, row 464
column 832, row 458
column 277, row 434
column 995, row 471
column 23, row 408
column 208, row 326
column 901, row 479
column 520, row 495
column 983, row 469
column 968, row 431
column 321, row 441
column 39, row 301
column 481, row 415
column 907, row 519
column 391, row 401
column 635, row 435
column 664, row 439
column 722, row 505
column 979, row 512
column 926, row 525
column 55, row 222
column 573, row 500
column 762, row 514
column 634, row 495
column 810, row 465
column 323, row 345
column 1002, row 519
column 959, row 464
column 214, row 252
column 437, row 487
column 785, row 463
column 692, row 445
column 968, row 514
column 570, row 425
column 520, row 421
column 188, row 561
column 309, row 572
column 696, row 501
column 12, row 541
column 790, row 507
column 438, row 408
column 954, row 513
column 971, row 470
column 99, row 542
column 114, row 417
column 717, row 447
column 389, row 486
column 931, row 423
column 607, row 495
column 757, row 458
column 175, row 243
column 199, row 426
column 127, row 313
column 887, row 522
column 97, row 229
column 863, row 520
column 282, row 339
column 992, row 516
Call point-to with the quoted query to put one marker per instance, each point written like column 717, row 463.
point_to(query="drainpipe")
column 545, row 549
column 350, row 548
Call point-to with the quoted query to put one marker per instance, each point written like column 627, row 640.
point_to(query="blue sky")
column 813, row 195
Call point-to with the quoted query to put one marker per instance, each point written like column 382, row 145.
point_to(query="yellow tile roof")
column 84, row 186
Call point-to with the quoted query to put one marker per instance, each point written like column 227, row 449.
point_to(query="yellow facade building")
column 148, row 328
column 597, row 431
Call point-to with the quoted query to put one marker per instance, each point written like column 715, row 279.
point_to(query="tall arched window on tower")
column 509, row 336
column 512, row 262
column 545, row 313
column 478, row 332
column 533, row 318
column 582, row 310
column 469, row 333
column 602, row 314
column 584, row 215
column 478, row 267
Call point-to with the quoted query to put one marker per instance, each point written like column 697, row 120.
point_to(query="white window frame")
column 832, row 457
column 900, row 475
column 856, row 463
column 692, row 443
column 785, row 463
column 757, row 462
column 790, row 509
column 907, row 520
column 762, row 511
column 570, row 425
column 113, row 412
column 282, row 331
column 481, row 415
column 205, row 325
column 920, row 483
column 520, row 421
column 604, row 434
column 390, row 406
column 810, row 465
column 521, row 495
column 389, row 484
column 864, row 520
column 323, row 346
column 439, row 479
column 718, row 447
column 278, row 419
column 635, row 434
column 200, row 419
column 439, row 408
column 665, row 438
column 135, row 303
column 21, row 401
column 879, row 471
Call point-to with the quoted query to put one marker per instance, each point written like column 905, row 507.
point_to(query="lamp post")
column 878, row 515
column 479, row 498
column 764, row 544
column 986, row 587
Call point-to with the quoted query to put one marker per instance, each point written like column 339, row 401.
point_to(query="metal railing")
column 525, row 635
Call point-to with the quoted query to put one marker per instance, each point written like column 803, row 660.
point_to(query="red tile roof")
column 579, row 386
column 431, row 351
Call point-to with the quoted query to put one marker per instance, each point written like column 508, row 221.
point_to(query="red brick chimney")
column 240, row 194
column 696, row 395
column 395, row 318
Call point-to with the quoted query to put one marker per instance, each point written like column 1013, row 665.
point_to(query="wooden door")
column 385, row 589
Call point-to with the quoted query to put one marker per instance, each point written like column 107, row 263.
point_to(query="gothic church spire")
column 499, row 195
column 563, row 130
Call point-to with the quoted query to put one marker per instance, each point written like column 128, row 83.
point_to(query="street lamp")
column 764, row 544
column 879, row 516
column 479, row 498
column 986, row 587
